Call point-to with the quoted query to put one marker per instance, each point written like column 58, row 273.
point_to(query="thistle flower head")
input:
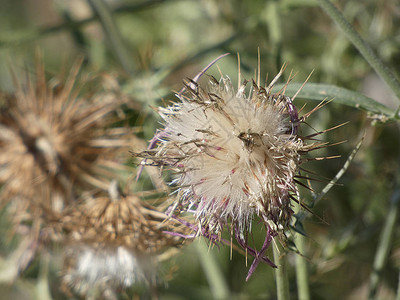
column 114, row 242
column 235, row 155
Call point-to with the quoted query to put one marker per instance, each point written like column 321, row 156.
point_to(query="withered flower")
column 55, row 140
column 235, row 155
column 114, row 242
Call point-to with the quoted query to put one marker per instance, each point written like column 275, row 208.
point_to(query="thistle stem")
column 219, row 287
column 273, row 20
column 303, row 288
column 282, row 279
column 384, row 244
column 365, row 50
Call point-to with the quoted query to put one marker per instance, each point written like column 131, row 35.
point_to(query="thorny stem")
column 112, row 33
column 365, row 50
column 282, row 279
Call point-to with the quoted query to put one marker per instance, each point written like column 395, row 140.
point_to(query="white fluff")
column 235, row 154
column 106, row 267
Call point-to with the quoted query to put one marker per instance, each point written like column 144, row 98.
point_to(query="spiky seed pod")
column 235, row 155
column 114, row 242
column 55, row 140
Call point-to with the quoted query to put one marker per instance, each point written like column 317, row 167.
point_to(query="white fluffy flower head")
column 105, row 268
column 239, row 156
column 235, row 154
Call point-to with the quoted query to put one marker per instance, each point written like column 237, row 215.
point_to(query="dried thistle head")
column 235, row 155
column 114, row 242
column 55, row 140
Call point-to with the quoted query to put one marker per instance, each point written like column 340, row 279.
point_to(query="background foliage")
column 150, row 46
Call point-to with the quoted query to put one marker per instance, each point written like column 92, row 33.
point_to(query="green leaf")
column 319, row 92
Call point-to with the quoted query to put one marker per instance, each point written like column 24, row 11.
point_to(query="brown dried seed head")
column 122, row 220
column 54, row 140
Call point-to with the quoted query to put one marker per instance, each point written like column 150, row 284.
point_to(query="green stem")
column 362, row 46
column 112, row 33
column 384, row 244
column 282, row 279
column 303, row 285
column 219, row 287
column 273, row 20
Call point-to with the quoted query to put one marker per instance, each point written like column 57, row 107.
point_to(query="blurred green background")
column 151, row 46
